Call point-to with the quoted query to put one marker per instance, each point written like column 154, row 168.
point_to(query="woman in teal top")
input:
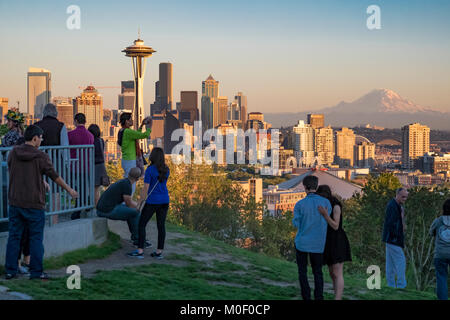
column 127, row 140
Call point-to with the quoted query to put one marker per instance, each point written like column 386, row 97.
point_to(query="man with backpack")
column 440, row 228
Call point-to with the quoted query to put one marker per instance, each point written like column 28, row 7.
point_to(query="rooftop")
column 338, row 186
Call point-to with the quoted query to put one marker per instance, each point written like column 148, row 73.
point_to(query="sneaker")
column 42, row 276
column 146, row 245
column 23, row 269
column 157, row 255
column 136, row 254
column 10, row 276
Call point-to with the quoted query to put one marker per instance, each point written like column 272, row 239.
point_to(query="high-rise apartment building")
column 345, row 142
column 324, row 145
column 189, row 107
column 415, row 143
column 210, row 94
column 304, row 144
column 316, row 120
column 90, row 102
column 364, row 154
column 38, row 91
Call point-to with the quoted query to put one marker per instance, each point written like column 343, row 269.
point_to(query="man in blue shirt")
column 311, row 237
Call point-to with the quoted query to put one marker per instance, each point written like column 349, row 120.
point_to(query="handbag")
column 140, row 160
column 142, row 204
column 105, row 181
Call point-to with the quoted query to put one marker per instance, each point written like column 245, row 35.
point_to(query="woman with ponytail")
column 156, row 197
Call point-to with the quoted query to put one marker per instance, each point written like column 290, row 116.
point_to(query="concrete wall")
column 67, row 236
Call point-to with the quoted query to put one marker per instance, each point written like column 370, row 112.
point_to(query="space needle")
column 138, row 53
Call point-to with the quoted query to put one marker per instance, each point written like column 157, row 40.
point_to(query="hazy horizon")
column 285, row 56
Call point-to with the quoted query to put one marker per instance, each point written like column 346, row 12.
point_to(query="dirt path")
column 119, row 260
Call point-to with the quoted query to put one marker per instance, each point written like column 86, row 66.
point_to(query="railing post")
column 92, row 182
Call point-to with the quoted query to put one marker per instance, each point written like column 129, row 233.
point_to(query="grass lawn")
column 246, row 275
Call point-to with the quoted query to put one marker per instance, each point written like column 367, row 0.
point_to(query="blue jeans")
column 441, row 266
column 122, row 212
column 395, row 266
column 34, row 219
column 127, row 165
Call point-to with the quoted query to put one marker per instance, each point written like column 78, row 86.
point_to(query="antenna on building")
column 139, row 32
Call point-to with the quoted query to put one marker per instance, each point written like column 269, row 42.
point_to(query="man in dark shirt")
column 26, row 198
column 393, row 236
column 110, row 205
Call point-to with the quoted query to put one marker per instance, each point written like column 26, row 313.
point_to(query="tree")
column 205, row 201
column 365, row 217
column 279, row 234
column 114, row 171
column 421, row 208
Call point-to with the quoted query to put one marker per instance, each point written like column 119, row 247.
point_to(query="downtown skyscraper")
column 163, row 89
column 189, row 107
column 242, row 103
column 127, row 96
column 90, row 102
column 38, row 91
column 209, row 103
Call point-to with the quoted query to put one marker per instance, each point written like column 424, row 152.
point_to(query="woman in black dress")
column 337, row 246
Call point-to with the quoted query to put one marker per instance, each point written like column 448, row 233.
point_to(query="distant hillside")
column 380, row 107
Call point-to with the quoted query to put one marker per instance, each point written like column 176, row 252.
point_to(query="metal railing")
column 74, row 164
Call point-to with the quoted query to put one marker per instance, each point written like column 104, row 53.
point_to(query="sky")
column 286, row 56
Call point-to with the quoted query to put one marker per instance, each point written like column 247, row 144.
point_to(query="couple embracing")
column 318, row 218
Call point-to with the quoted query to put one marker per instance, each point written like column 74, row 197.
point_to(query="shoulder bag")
column 142, row 204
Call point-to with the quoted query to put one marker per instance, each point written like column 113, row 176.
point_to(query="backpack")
column 444, row 232
column 120, row 137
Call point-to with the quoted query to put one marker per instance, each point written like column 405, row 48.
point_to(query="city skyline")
column 297, row 49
